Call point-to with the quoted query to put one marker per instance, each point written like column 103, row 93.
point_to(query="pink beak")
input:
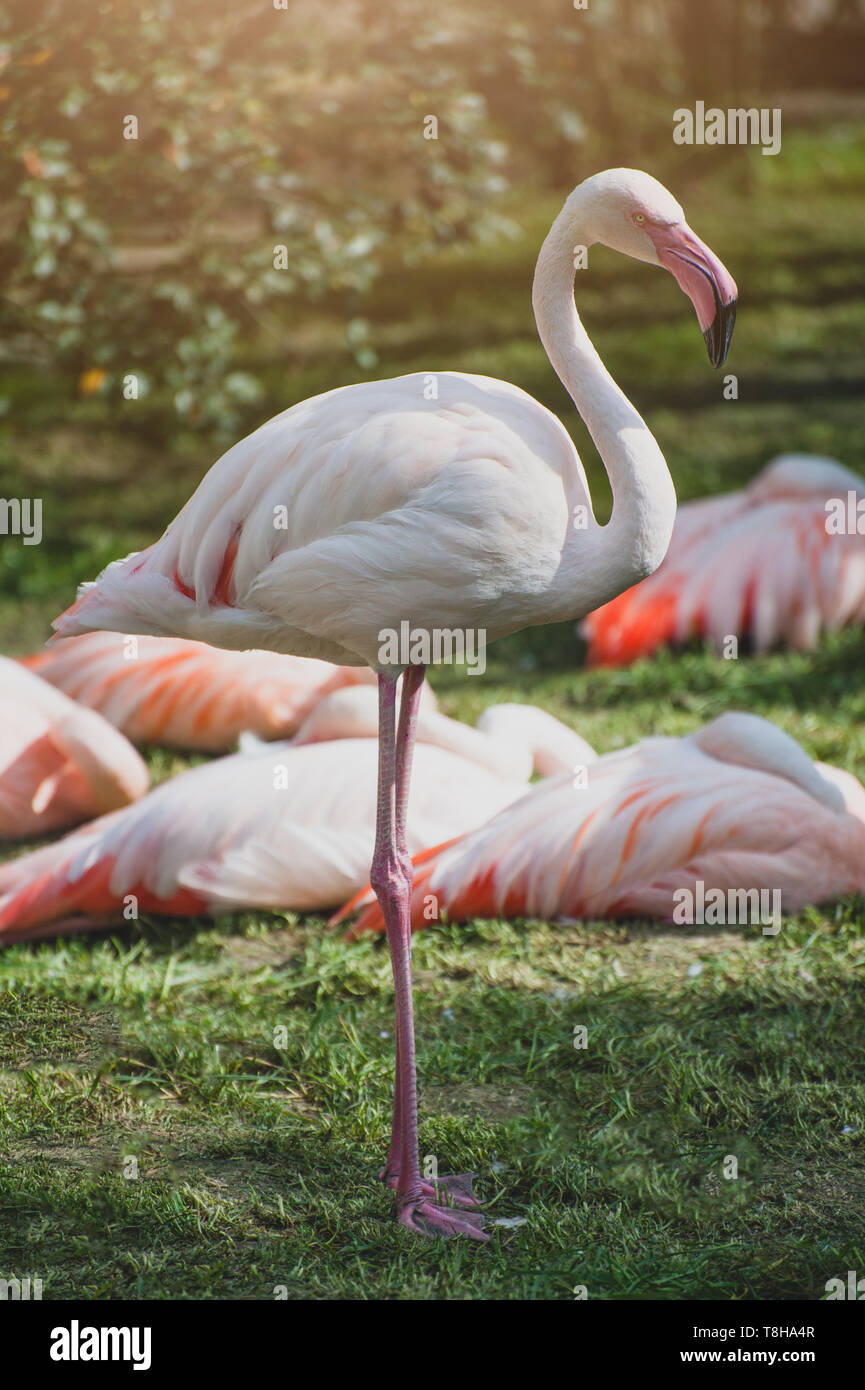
column 707, row 283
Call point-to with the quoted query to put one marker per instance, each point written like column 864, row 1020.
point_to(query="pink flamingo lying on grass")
column 59, row 763
column 441, row 501
column 511, row 740
column 736, row 806
column 767, row 563
column 187, row 694
column 284, row 826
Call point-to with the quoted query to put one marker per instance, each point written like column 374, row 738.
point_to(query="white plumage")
column 59, row 763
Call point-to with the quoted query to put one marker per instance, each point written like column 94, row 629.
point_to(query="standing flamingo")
column 443, row 501
column 765, row 563
column 737, row 806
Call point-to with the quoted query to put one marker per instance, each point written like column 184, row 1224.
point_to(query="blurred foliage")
column 257, row 129
column 265, row 125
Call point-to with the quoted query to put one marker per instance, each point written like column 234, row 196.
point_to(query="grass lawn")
column 199, row 1110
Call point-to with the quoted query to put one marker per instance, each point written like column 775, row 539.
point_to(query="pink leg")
column 391, row 877
column 458, row 1187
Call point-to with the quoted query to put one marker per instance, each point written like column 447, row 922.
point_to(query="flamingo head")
column 631, row 212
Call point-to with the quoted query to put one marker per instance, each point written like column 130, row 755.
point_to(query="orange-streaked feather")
column 737, row 805
column 759, row 563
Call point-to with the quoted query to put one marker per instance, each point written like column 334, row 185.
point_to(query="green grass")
column 256, row 1151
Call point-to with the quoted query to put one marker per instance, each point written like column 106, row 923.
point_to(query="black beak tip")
column 719, row 335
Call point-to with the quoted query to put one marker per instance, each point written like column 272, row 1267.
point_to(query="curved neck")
column 552, row 745
column 636, row 538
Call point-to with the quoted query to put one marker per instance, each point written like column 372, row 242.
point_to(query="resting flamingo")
column 511, row 740
column 441, row 501
column 280, row 826
column 187, row 694
column 737, row 806
column 59, row 763
column 764, row 563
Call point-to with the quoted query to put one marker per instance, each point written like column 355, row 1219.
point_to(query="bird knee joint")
column 391, row 876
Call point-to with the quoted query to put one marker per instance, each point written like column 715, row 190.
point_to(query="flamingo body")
column 737, row 805
column 187, row 694
column 59, row 763
column 279, row 825
column 447, row 513
column 761, row 563
column 286, row 827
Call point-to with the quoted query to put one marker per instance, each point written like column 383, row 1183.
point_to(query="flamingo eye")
column 639, row 218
